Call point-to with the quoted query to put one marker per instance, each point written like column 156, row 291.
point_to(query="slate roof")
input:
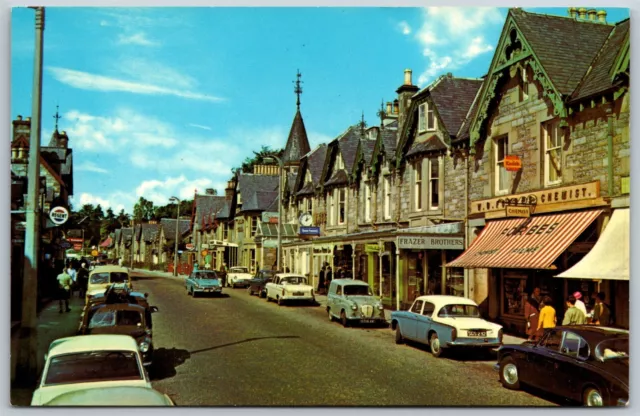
column 463, row 133
column 565, row 46
column 315, row 162
column 297, row 143
column 273, row 207
column 65, row 156
column 348, row 145
column 432, row 144
column 169, row 227
column 453, row 97
column 598, row 79
column 392, row 125
column 338, row 178
column 257, row 191
column 258, row 201
column 307, row 189
column 389, row 142
column 126, row 234
column 225, row 211
column 147, row 232
column 207, row 206
column 367, row 150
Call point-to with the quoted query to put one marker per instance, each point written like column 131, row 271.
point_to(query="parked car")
column 238, row 277
column 258, row 283
column 444, row 322
column 203, row 281
column 122, row 319
column 101, row 277
column 352, row 301
column 112, row 396
column 94, row 361
column 583, row 363
column 289, row 286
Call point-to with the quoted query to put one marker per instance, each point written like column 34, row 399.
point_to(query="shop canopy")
column 609, row 257
column 525, row 243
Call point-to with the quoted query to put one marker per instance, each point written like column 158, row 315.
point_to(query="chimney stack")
column 228, row 192
column 210, row 191
column 396, row 107
column 389, row 108
column 592, row 14
column 583, row 13
column 407, row 77
column 573, row 12
column 19, row 118
column 602, row 16
column 28, row 119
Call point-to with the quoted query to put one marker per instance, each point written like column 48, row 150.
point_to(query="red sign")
column 189, row 246
column 512, row 163
column 77, row 246
column 75, row 240
column 273, row 220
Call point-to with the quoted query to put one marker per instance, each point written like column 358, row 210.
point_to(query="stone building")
column 167, row 239
column 204, row 224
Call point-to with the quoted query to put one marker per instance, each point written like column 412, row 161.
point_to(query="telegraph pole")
column 27, row 366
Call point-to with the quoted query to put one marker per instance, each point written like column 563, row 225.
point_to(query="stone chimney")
column 389, row 108
column 592, row 14
column 407, row 77
column 396, row 107
column 271, row 170
column 573, row 12
column 583, row 13
column 21, row 127
column 602, row 16
column 228, row 192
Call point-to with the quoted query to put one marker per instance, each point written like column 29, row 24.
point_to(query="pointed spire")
column 382, row 114
column 362, row 124
column 298, row 89
column 57, row 116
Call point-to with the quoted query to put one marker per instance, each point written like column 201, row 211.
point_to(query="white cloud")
column 404, row 28
column 94, row 82
column 139, row 39
column 86, row 198
column 452, row 36
column 90, row 167
column 154, row 73
column 104, row 23
column 159, row 191
column 199, row 126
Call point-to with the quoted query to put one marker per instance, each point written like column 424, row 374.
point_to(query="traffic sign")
column 59, row 215
column 309, row 231
column 94, row 253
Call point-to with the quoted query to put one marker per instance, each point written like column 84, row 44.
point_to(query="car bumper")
column 475, row 343
column 243, row 283
column 292, row 297
column 372, row 320
column 208, row 290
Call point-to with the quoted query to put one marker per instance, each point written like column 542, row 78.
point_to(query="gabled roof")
column 367, row 150
column 338, row 178
column 207, row 206
column 147, row 232
column 273, row 207
column 225, row 211
column 565, row 46
column 258, row 201
column 297, row 143
column 169, row 227
column 249, row 183
column 127, row 233
column 65, row 156
column 389, row 143
column 315, row 162
column 453, row 97
column 463, row 132
column 307, row 189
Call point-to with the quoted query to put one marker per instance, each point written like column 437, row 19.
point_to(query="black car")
column 257, row 284
column 582, row 363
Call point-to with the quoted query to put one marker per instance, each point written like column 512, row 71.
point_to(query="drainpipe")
column 467, row 283
column 397, row 278
column 610, row 151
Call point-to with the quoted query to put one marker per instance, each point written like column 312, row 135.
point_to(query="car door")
column 410, row 324
column 424, row 322
column 540, row 361
column 570, row 366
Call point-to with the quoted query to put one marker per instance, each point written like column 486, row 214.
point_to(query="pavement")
column 51, row 326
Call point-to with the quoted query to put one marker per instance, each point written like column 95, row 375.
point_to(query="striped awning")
column 525, row 243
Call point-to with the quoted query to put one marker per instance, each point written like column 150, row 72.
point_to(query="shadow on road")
column 242, row 342
column 165, row 362
column 213, row 295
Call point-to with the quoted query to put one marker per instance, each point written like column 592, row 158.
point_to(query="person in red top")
column 531, row 313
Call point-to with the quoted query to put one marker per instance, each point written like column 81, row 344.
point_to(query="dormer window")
column 426, row 118
column 307, row 177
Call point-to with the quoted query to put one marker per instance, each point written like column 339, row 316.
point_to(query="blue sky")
column 162, row 101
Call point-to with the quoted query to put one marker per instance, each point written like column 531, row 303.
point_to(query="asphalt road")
column 238, row 350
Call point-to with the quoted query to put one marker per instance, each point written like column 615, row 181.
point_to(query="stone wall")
column 454, row 186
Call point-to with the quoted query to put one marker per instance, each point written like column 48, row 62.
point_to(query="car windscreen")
column 239, row 270
column 112, row 317
column 94, row 366
column 117, row 277
column 357, row 290
column 99, row 278
column 613, row 349
column 459, row 310
column 206, row 275
column 295, row 280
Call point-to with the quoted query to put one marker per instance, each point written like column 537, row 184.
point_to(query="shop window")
column 501, row 145
column 415, row 276
column 434, row 183
column 417, row 185
column 553, row 140
column 387, row 197
column 342, row 205
column 514, row 294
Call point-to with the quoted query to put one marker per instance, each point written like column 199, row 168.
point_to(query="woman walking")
column 547, row 318
column 531, row 314
column 321, row 280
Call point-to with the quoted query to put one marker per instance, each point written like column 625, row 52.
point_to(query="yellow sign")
column 94, row 253
column 204, row 252
column 371, row 248
column 522, row 212
column 571, row 193
column 625, row 185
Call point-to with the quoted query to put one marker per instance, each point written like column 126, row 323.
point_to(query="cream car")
column 238, row 277
column 289, row 286
column 101, row 277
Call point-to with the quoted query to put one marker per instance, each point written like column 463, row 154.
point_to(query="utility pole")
column 27, row 365
column 175, row 251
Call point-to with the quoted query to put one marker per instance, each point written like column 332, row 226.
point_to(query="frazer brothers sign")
column 431, row 242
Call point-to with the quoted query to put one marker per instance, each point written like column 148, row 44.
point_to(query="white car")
column 113, row 396
column 238, row 277
column 289, row 286
column 90, row 361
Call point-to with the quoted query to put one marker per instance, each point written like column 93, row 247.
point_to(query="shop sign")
column 77, row 246
column 270, row 217
column 431, row 242
column 512, row 163
column 94, row 253
column 189, row 246
column 371, row 248
column 309, row 231
column 75, row 240
column 520, row 212
column 59, row 215
column 571, row 193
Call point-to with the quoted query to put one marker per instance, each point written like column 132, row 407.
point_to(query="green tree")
column 258, row 158
column 143, row 210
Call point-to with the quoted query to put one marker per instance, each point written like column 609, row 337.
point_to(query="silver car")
column 352, row 301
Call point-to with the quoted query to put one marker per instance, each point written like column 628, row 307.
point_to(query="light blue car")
column 203, row 281
column 352, row 301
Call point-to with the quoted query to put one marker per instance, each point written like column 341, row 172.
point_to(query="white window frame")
column 422, row 118
column 417, row 186
column 367, row 202
column 342, row 204
column 501, row 142
column 552, row 132
column 524, row 85
column 387, row 197
column 434, row 181
column 339, row 163
column 331, row 208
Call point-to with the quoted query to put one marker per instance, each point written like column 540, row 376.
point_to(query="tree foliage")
column 258, row 158
column 143, row 210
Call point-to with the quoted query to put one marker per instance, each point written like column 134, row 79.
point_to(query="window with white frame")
column 309, row 202
column 331, row 209
column 434, row 183
column 254, row 225
column 502, row 175
column 417, row 185
column 339, row 162
column 367, row 202
column 553, row 140
column 342, row 205
column 524, row 85
column 426, row 118
column 387, row 197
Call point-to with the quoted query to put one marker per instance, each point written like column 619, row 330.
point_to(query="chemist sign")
column 59, row 215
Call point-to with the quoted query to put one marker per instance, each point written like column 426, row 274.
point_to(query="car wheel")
column 434, row 344
column 509, row 375
column 399, row 338
column 250, row 291
column 592, row 397
column 194, row 294
column 266, row 296
column 343, row 319
column 263, row 294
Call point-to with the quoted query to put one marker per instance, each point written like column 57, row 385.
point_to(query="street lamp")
column 175, row 254
column 269, row 159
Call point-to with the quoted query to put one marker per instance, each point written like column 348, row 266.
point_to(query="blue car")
column 203, row 281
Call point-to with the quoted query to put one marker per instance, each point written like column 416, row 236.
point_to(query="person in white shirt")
column 579, row 303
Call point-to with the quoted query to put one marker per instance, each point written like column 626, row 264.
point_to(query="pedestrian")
column 547, row 318
column 83, row 279
column 64, row 289
column 74, row 276
column 195, row 266
column 579, row 303
column 321, row 280
column 328, row 276
column 531, row 314
column 601, row 312
column 573, row 314
column 223, row 274
column 536, row 295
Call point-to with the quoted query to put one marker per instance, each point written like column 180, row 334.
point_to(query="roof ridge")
column 519, row 9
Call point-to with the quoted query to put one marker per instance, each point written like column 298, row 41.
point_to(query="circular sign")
column 189, row 246
column 204, row 252
column 94, row 253
column 59, row 215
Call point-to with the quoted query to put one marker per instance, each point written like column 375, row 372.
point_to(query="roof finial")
column 382, row 114
column 298, row 89
column 57, row 116
column 363, row 124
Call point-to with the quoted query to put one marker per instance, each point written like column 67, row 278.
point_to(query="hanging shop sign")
column 189, row 246
column 75, row 240
column 59, row 215
column 520, row 212
column 77, row 246
column 309, row 231
column 590, row 190
column 512, row 163
column 371, row 248
column 203, row 253
column 94, row 253
column 431, row 242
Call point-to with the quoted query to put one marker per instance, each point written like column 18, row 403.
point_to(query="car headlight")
column 354, row 307
column 143, row 346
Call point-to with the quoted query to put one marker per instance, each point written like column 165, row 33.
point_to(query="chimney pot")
column 573, row 12
column 19, row 118
column 64, row 133
column 592, row 14
column 583, row 13
column 602, row 16
column 407, row 77
column 389, row 108
column 28, row 119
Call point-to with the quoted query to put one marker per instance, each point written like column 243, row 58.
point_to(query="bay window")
column 434, row 183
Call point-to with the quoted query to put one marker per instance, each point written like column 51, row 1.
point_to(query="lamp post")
column 133, row 239
column 268, row 159
column 175, row 254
